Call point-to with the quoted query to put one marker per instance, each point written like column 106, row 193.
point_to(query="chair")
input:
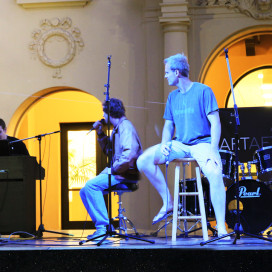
column 183, row 214
column 120, row 189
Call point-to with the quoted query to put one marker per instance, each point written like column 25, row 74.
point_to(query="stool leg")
column 123, row 220
column 184, row 207
column 201, row 205
column 122, row 225
column 120, row 216
column 132, row 226
column 176, row 198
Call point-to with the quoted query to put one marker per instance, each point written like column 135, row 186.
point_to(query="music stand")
column 238, row 228
column 41, row 228
column 109, row 231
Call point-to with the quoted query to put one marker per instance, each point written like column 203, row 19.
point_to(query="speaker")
column 17, row 197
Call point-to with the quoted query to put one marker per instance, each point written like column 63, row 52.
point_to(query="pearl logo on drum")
column 244, row 194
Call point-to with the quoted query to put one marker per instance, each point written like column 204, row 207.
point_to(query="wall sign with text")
column 255, row 130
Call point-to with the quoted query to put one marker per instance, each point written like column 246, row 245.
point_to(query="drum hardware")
column 242, row 167
column 249, row 173
column 249, row 168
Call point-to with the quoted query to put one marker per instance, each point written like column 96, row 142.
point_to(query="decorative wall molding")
column 56, row 30
column 258, row 9
column 152, row 14
column 51, row 3
column 175, row 13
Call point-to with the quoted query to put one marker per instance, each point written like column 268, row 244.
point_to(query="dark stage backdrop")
column 255, row 130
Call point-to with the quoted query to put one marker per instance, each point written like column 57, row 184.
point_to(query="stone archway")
column 214, row 72
column 42, row 113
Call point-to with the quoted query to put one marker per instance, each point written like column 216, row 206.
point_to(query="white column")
column 175, row 22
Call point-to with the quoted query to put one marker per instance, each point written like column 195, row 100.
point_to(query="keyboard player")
column 17, row 148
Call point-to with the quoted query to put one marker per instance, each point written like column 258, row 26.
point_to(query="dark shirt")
column 126, row 150
column 17, row 148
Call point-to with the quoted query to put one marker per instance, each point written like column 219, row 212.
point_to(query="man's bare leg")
column 218, row 196
column 148, row 164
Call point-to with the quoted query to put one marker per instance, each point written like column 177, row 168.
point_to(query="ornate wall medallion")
column 56, row 43
column 258, row 9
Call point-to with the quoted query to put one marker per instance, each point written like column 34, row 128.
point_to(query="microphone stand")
column 41, row 228
column 238, row 228
column 110, row 232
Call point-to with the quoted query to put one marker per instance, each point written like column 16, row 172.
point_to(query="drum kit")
column 255, row 195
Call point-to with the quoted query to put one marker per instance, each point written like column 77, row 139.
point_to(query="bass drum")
column 254, row 205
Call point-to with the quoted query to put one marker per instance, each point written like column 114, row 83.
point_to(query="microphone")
column 167, row 161
column 102, row 121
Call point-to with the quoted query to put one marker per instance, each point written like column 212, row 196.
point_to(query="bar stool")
column 182, row 215
column 120, row 189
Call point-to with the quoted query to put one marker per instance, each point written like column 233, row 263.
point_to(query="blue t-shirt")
column 189, row 112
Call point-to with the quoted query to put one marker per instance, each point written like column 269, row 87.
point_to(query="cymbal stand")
column 238, row 228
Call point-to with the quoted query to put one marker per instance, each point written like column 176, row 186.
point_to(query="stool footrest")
column 189, row 194
column 190, row 217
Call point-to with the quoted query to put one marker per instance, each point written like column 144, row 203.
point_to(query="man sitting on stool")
column 126, row 148
column 192, row 113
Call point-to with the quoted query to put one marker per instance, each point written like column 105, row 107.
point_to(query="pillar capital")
column 175, row 26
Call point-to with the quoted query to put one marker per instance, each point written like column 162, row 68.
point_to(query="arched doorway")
column 248, row 50
column 42, row 114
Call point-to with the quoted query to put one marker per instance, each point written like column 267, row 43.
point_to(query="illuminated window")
column 81, row 167
column 254, row 89
column 81, row 160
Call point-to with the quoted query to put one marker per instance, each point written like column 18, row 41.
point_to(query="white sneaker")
column 97, row 234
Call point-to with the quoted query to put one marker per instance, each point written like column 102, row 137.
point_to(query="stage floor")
column 76, row 240
column 55, row 252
